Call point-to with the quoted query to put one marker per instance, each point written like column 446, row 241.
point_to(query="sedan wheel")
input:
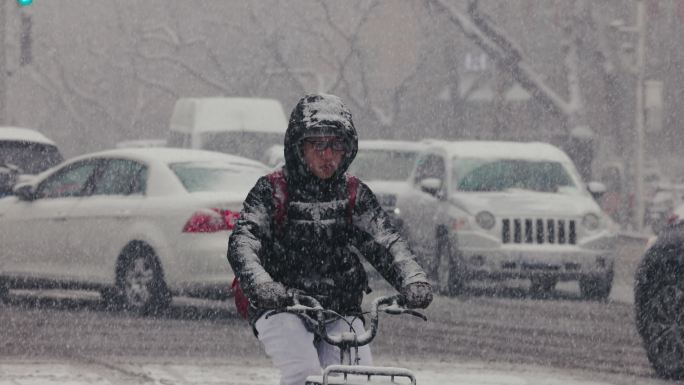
column 141, row 283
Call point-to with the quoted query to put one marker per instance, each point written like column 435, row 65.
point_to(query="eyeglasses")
column 322, row 145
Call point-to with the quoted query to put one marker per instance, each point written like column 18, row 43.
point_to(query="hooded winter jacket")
column 317, row 248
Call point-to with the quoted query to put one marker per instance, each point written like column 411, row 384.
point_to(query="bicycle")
column 306, row 306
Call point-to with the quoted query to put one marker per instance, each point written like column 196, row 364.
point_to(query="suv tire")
column 450, row 274
column 112, row 298
column 542, row 286
column 659, row 309
column 596, row 288
column 4, row 289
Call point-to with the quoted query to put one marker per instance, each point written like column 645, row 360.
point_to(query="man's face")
column 323, row 155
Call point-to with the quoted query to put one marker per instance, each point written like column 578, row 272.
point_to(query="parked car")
column 24, row 152
column 498, row 210
column 140, row 225
column 386, row 165
column 659, row 298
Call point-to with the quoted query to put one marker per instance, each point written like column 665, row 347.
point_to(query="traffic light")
column 23, row 3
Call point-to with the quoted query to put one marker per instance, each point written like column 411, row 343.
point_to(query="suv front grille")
column 538, row 230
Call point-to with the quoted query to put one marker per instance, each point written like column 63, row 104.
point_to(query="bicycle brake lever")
column 394, row 309
column 416, row 314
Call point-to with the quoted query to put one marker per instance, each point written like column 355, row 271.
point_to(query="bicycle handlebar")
column 304, row 305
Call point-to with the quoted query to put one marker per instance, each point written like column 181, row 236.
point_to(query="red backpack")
column 279, row 185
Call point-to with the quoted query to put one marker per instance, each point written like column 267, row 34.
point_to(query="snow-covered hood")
column 387, row 187
column 527, row 203
column 388, row 192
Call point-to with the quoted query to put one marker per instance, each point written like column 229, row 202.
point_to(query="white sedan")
column 140, row 225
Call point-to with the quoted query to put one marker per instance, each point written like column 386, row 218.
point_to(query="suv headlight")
column 591, row 221
column 485, row 219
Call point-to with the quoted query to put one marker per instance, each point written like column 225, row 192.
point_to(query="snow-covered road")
column 53, row 338
column 51, row 373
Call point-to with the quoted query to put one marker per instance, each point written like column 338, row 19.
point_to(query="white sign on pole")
column 653, row 104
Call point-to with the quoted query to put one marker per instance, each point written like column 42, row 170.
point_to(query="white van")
column 239, row 126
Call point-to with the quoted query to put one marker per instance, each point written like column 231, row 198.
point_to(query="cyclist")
column 304, row 228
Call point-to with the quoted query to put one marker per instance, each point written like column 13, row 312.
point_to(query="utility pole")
column 25, row 45
column 3, row 62
column 639, row 116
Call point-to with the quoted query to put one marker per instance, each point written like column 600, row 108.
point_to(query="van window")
column 251, row 145
column 179, row 139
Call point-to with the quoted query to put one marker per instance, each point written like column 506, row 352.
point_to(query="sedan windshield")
column 216, row 176
column 383, row 164
column 471, row 174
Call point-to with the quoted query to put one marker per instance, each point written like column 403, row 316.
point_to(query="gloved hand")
column 417, row 294
column 271, row 295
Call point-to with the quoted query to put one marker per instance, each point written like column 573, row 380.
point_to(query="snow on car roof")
column 401, row 145
column 23, row 135
column 175, row 155
column 141, row 143
column 500, row 149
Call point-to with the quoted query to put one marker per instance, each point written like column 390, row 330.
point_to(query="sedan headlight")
column 485, row 219
column 591, row 222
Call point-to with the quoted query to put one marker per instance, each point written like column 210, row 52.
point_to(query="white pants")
column 293, row 351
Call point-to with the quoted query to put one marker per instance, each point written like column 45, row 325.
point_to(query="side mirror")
column 597, row 189
column 431, row 185
column 25, row 192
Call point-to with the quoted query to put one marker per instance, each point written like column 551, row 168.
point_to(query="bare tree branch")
column 509, row 59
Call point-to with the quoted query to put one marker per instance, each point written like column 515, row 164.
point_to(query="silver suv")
column 499, row 210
